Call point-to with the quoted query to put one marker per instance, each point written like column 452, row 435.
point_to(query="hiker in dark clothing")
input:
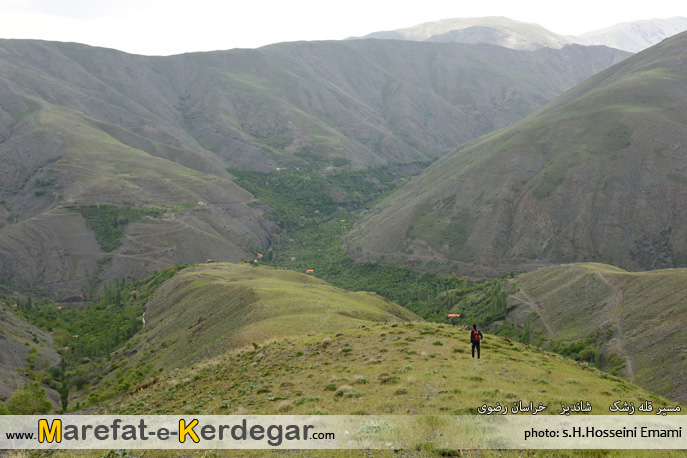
column 475, row 338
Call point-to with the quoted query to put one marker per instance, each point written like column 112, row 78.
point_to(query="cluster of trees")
column 112, row 292
column 583, row 350
column 301, row 198
column 84, row 332
column 25, row 307
column 89, row 330
column 106, row 220
column 109, row 322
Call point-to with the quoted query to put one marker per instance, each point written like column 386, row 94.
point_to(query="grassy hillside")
column 207, row 310
column 244, row 339
column 392, row 368
column 597, row 175
column 634, row 316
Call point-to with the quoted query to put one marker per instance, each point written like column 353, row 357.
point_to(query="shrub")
column 304, row 399
column 389, row 379
column 344, row 389
column 30, row 400
column 318, row 411
column 588, row 354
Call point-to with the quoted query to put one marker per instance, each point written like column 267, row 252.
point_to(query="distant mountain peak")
column 496, row 30
column 632, row 36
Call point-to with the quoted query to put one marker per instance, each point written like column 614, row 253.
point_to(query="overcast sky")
column 164, row 27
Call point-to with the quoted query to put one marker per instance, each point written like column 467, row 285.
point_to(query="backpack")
column 475, row 335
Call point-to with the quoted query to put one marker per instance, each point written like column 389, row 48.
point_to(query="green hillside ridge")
column 638, row 316
column 596, row 175
column 186, row 314
column 207, row 310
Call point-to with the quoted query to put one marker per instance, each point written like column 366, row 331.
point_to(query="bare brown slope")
column 46, row 247
column 372, row 102
column 597, row 175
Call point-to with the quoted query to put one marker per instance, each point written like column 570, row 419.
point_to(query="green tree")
column 64, row 389
column 30, row 400
column 526, row 332
column 588, row 354
column 64, row 395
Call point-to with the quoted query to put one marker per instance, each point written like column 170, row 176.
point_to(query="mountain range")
column 629, row 36
column 87, row 133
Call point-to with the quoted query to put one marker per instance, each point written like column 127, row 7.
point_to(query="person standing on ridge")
column 475, row 338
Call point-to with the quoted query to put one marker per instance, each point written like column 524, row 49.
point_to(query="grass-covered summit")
column 381, row 368
column 206, row 310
